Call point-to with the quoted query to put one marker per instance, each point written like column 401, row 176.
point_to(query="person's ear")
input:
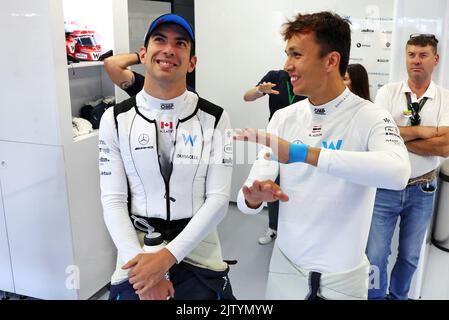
column 192, row 64
column 333, row 61
column 142, row 53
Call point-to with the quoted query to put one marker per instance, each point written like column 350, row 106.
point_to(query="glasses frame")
column 424, row 35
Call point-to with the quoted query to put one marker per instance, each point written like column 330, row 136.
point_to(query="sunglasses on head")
column 424, row 35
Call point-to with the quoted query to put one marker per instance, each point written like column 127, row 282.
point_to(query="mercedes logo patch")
column 144, row 139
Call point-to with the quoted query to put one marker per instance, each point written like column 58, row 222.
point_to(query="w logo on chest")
column 332, row 145
column 189, row 139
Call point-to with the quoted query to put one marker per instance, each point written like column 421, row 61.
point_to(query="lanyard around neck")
column 415, row 107
column 291, row 95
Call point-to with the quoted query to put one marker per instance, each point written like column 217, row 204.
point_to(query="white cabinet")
column 37, row 218
column 53, row 240
column 6, row 281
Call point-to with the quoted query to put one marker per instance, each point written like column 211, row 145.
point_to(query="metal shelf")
column 84, row 64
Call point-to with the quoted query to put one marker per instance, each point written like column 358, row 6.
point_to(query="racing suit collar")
column 324, row 110
column 155, row 105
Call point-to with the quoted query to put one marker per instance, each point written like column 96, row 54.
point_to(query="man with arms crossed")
column 421, row 110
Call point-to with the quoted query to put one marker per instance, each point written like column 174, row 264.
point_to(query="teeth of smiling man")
column 166, row 64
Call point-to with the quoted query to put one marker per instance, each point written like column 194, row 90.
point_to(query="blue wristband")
column 298, row 152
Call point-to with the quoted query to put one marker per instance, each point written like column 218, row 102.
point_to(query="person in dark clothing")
column 117, row 68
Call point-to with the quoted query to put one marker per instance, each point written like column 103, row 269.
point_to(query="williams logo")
column 96, row 55
column 383, row 60
column 144, row 139
column 167, row 106
column 188, row 139
column 332, row 145
column 367, row 30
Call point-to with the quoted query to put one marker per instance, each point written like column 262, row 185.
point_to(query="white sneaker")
column 268, row 236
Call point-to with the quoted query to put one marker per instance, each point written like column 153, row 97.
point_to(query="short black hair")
column 332, row 33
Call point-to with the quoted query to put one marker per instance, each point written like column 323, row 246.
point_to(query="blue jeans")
column 414, row 205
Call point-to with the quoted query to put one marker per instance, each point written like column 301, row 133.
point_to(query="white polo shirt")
column 435, row 113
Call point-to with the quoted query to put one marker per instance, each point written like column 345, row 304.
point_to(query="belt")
column 425, row 178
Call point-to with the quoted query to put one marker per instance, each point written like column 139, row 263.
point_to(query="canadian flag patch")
column 166, row 125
